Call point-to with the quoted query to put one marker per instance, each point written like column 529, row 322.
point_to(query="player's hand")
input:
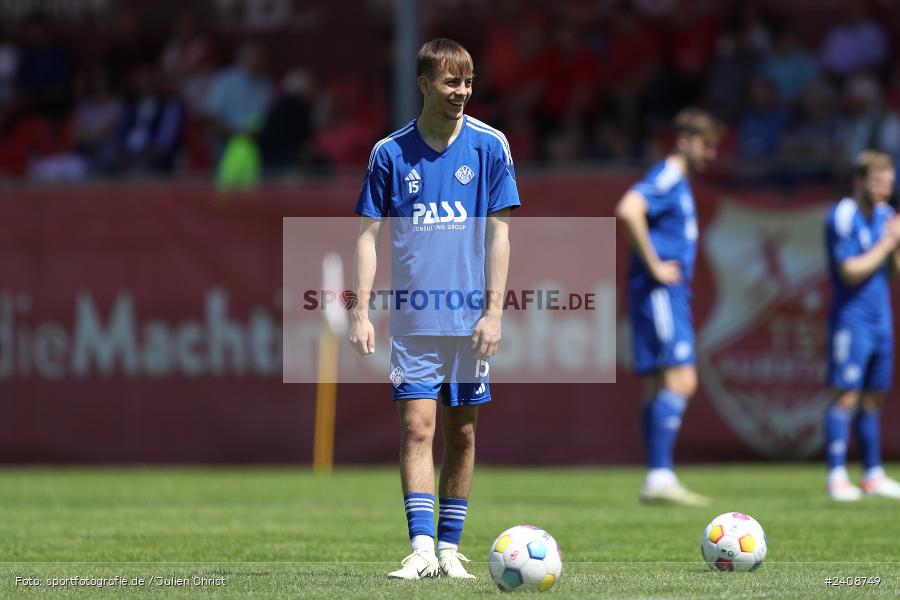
column 486, row 336
column 362, row 335
column 667, row 272
column 892, row 230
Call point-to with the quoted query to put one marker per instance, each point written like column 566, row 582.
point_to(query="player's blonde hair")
column 696, row 121
column 871, row 160
column 443, row 53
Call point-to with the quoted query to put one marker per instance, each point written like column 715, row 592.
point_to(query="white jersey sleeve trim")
column 668, row 177
column 662, row 314
column 399, row 133
column 483, row 128
column 843, row 217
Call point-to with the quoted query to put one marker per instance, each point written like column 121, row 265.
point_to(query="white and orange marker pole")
column 334, row 326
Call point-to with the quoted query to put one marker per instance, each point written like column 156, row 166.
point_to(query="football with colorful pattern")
column 734, row 542
column 525, row 558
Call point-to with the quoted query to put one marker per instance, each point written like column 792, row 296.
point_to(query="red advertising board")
column 142, row 323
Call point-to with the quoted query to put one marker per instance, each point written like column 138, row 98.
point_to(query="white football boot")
column 881, row 486
column 421, row 564
column 841, row 490
column 662, row 487
column 451, row 564
column 674, row 493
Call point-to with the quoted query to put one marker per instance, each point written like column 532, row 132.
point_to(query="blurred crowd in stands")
column 796, row 109
column 587, row 82
column 145, row 110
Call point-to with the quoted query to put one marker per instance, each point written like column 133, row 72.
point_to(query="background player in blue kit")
column 447, row 180
column 862, row 236
column 660, row 219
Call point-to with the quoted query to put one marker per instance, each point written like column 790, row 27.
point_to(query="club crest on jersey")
column 430, row 215
column 397, row 376
column 464, row 174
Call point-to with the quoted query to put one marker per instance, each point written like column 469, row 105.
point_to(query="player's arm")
column 362, row 333
column 486, row 336
column 895, row 262
column 632, row 212
column 857, row 269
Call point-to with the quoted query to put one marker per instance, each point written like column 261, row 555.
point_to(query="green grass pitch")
column 287, row 533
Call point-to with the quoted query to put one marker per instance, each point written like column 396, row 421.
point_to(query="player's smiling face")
column 447, row 93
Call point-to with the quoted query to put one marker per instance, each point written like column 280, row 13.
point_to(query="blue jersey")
column 439, row 202
column 672, row 224
column 849, row 233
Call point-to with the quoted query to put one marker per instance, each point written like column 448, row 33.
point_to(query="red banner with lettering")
column 142, row 323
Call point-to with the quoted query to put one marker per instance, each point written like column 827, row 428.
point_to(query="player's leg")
column 458, row 429
column 468, row 388
column 837, row 438
column 659, row 468
column 417, row 423
column 677, row 385
column 663, row 341
column 850, row 352
column 646, row 345
column 674, row 387
column 415, row 392
column 867, row 427
column 867, row 423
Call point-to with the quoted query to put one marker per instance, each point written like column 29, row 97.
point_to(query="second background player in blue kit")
column 862, row 235
column 660, row 219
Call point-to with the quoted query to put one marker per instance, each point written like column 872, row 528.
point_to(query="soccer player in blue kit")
column 660, row 219
column 862, row 235
column 447, row 182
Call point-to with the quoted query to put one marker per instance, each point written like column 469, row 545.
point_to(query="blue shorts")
column 860, row 358
column 662, row 329
column 429, row 366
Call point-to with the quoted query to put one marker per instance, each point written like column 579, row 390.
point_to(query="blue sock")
column 451, row 518
column 419, row 514
column 837, row 434
column 867, row 426
column 662, row 420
